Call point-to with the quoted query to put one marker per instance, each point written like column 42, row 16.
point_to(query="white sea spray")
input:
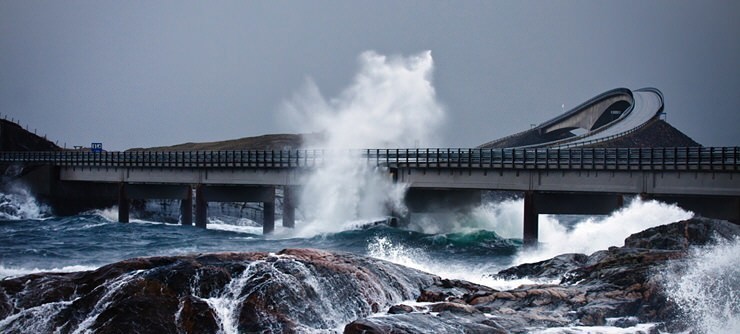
column 390, row 103
column 706, row 287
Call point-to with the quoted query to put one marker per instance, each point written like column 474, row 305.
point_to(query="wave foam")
column 707, row 287
column 597, row 233
column 19, row 204
column 6, row 272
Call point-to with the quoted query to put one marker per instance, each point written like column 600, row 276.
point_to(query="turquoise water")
column 92, row 240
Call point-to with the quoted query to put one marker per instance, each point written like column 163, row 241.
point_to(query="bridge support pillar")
column 123, row 203
column 268, row 217
column 531, row 220
column 186, row 209
column 289, row 207
column 201, row 207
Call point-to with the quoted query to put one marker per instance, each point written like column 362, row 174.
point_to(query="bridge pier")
column 268, row 217
column 289, row 207
column 201, row 207
column 186, row 209
column 265, row 195
column 536, row 203
column 531, row 220
column 123, row 203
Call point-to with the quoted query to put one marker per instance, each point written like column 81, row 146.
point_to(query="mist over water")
column 391, row 102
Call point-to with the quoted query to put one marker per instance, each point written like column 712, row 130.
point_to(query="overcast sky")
column 151, row 73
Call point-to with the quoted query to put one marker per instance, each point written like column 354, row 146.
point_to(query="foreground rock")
column 292, row 291
column 302, row 290
column 620, row 283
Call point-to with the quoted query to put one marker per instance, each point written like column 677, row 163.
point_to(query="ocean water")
column 469, row 247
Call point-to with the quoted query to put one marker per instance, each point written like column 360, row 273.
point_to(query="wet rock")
column 454, row 308
column 621, row 282
column 681, row 235
column 552, row 268
column 400, row 309
column 292, row 291
column 446, row 322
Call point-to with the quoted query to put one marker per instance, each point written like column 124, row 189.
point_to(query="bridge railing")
column 669, row 158
column 673, row 158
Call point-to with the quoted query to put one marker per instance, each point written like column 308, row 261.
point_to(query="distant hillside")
column 264, row 142
column 528, row 137
column 14, row 138
column 657, row 133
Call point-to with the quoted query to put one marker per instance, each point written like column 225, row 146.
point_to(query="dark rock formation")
column 622, row 282
column 292, row 291
column 552, row 268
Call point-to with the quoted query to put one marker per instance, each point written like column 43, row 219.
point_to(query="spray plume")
column 390, row 103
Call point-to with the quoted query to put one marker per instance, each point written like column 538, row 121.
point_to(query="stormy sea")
column 471, row 247
column 649, row 267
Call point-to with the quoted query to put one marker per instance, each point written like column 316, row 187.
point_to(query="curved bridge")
column 609, row 115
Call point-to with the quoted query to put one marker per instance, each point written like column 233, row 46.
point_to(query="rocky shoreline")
column 307, row 290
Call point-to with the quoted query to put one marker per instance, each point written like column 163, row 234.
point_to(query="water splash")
column 414, row 257
column 226, row 305
column 505, row 218
column 18, row 203
column 597, row 233
column 391, row 102
column 706, row 288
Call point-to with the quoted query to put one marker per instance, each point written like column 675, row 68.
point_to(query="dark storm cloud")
column 156, row 73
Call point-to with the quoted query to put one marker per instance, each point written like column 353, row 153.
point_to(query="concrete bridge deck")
column 592, row 180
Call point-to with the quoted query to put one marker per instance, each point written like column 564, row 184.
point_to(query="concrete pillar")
column 186, row 209
column 268, row 217
column 288, row 207
column 201, row 207
column 531, row 223
column 123, row 204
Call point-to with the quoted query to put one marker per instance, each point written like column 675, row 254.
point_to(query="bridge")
column 552, row 180
column 609, row 115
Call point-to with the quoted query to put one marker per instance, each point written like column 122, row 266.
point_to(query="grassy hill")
column 264, row 142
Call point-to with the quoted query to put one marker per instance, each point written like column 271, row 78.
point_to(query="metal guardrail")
column 669, row 158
